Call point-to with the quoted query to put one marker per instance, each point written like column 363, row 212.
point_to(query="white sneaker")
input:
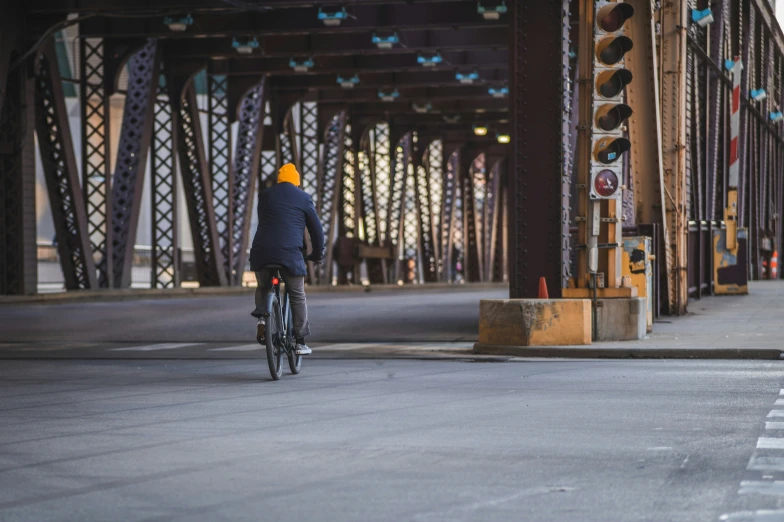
column 260, row 330
column 302, row 349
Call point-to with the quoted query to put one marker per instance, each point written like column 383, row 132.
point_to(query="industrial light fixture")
column 348, row 83
column 451, row 119
column 776, row 116
column 491, row 12
column 503, row 138
column 332, row 18
column 703, row 17
column 480, row 130
column 758, row 94
column 467, row 78
column 503, row 92
column 429, row 61
column 730, row 64
column 388, row 96
column 385, row 41
column 178, row 25
column 302, row 66
column 422, row 109
column 245, row 46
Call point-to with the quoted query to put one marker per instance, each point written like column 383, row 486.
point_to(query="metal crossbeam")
column 329, row 190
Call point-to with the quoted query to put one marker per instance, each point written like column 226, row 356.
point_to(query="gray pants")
column 295, row 288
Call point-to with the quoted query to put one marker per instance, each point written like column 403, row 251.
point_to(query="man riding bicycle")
column 284, row 213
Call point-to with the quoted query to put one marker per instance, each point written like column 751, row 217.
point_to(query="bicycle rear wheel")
column 295, row 361
column 274, row 338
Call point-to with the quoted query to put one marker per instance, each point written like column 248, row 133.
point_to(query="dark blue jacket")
column 284, row 212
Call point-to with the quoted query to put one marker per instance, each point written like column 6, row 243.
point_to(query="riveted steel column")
column 18, row 266
column 537, row 39
column 196, row 181
column 128, row 178
column 62, row 177
column 245, row 174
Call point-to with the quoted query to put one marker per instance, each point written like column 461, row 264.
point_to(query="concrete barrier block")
column 621, row 319
column 535, row 322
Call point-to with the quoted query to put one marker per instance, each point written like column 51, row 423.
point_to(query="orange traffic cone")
column 543, row 289
column 774, row 265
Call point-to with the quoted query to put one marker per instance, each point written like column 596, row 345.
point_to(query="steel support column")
column 62, row 177
column 427, row 250
column 536, row 160
column 673, row 103
column 96, row 169
column 245, row 173
column 329, row 189
column 473, row 266
column 219, row 144
column 128, row 178
column 196, row 180
column 18, row 266
column 163, row 169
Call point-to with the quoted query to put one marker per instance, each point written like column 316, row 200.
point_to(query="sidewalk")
column 726, row 327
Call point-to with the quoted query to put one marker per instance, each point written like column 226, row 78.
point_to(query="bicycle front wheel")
column 274, row 338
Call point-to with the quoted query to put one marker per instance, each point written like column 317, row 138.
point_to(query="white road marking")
column 660, row 448
column 762, row 487
column 763, row 515
column 240, row 348
column 766, row 463
column 774, row 425
column 770, row 443
column 154, row 347
column 779, row 402
column 776, row 413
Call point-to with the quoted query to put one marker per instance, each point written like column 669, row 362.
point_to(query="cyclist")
column 284, row 213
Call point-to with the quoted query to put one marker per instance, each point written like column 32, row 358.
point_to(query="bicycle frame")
column 284, row 307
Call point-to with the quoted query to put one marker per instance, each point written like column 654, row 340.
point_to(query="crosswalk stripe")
column 774, row 425
column 770, row 443
column 240, row 348
column 776, row 413
column 154, row 347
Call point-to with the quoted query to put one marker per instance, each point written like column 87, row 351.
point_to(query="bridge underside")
column 384, row 116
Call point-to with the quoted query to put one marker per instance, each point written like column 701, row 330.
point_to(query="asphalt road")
column 390, row 440
column 389, row 316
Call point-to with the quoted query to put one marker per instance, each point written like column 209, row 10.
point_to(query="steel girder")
column 128, row 178
column 18, row 267
column 96, row 169
column 245, row 173
column 424, row 212
column 195, row 175
column 163, row 169
column 448, row 209
column 536, row 188
column 434, row 163
column 329, row 189
column 220, row 163
column 470, row 161
column 62, row 177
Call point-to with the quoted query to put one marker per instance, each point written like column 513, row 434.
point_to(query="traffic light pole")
column 585, row 208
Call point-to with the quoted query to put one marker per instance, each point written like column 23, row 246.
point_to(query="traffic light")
column 610, row 113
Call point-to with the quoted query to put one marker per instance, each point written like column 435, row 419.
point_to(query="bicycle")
column 279, row 336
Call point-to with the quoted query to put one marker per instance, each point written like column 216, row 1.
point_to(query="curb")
column 76, row 296
column 592, row 352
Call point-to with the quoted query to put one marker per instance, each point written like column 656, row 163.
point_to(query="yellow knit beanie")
column 288, row 174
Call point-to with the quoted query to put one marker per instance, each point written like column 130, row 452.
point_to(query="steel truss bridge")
column 382, row 106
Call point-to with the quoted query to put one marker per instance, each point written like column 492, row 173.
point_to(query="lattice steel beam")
column 96, row 169
column 62, row 177
column 448, row 217
column 424, row 212
column 163, row 168
column 196, row 180
column 219, row 144
column 329, row 190
column 246, row 167
column 128, row 178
